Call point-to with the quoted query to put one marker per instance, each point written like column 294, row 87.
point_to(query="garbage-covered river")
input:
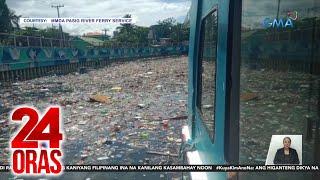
column 124, row 113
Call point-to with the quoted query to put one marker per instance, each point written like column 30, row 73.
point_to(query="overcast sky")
column 145, row 12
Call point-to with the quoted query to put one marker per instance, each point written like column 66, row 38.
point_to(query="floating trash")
column 112, row 114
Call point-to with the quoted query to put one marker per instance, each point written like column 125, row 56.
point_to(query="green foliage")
column 165, row 28
column 130, row 33
column 14, row 19
column 180, row 32
column 49, row 32
column 169, row 28
column 133, row 34
column 9, row 23
column 124, row 35
column 8, row 19
column 5, row 21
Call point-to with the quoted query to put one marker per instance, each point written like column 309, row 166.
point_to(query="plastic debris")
column 112, row 114
column 273, row 102
column 248, row 96
column 141, row 105
column 116, row 88
column 165, row 123
column 144, row 135
column 100, row 98
column 102, row 158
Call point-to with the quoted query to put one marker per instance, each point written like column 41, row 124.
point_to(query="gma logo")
column 277, row 23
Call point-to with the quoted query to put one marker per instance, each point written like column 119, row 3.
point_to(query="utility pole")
column 60, row 28
column 278, row 10
column 179, row 28
column 105, row 33
column 274, row 31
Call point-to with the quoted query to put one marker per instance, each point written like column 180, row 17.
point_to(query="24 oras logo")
column 30, row 154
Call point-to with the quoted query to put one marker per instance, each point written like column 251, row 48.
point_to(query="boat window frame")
column 199, row 74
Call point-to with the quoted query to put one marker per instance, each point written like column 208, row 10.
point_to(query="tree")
column 29, row 31
column 133, row 34
column 130, row 33
column 5, row 22
column 169, row 28
column 164, row 28
column 14, row 19
column 179, row 33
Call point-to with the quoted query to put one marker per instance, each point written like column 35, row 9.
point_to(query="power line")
column 58, row 7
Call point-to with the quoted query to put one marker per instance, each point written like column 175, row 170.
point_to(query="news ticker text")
column 180, row 168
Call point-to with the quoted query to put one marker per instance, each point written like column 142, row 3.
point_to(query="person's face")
column 286, row 143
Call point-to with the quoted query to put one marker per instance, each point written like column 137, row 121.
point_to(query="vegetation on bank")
column 124, row 34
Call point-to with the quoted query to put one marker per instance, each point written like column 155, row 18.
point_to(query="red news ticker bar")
column 183, row 168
